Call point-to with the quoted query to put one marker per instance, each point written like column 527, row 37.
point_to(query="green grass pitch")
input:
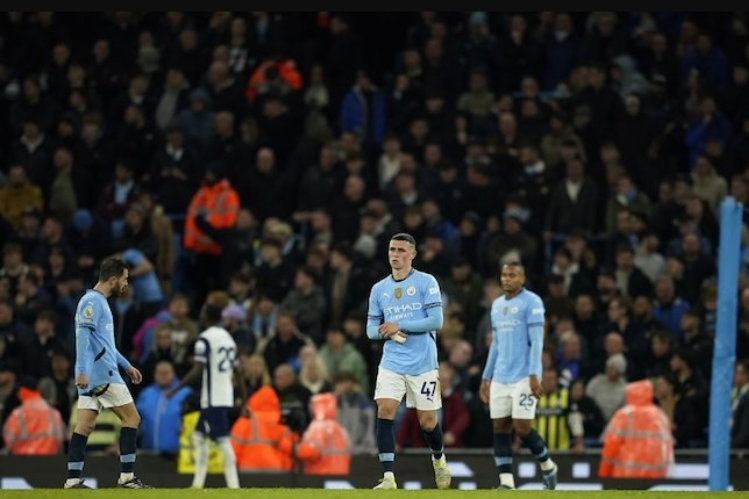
column 346, row 494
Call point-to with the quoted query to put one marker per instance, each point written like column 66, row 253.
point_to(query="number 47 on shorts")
column 428, row 389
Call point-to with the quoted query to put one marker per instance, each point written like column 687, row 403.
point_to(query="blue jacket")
column 160, row 417
column 352, row 115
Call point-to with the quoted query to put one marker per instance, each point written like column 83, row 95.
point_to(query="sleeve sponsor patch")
column 537, row 311
column 433, row 291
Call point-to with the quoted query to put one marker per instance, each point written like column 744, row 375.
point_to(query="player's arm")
column 432, row 302
column 199, row 362
column 432, row 322
column 375, row 316
column 491, row 361
column 88, row 317
column 535, row 321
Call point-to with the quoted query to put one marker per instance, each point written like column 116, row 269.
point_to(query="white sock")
column 200, row 447
column 507, row 479
column 72, row 481
column 230, row 463
column 547, row 465
column 390, row 475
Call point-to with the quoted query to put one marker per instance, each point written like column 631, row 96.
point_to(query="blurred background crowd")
column 261, row 162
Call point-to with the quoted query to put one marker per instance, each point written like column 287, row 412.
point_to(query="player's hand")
column 135, row 376
column 82, row 381
column 484, row 390
column 536, row 388
column 388, row 329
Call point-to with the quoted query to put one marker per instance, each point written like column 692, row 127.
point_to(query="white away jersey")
column 217, row 350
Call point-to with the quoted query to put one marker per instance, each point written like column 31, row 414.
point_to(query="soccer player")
column 216, row 360
column 98, row 378
column 510, row 383
column 405, row 310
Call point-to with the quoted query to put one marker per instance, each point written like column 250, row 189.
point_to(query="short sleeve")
column 88, row 313
column 431, row 292
column 201, row 350
column 535, row 312
column 374, row 314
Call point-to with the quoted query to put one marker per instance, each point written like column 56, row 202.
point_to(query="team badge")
column 411, row 291
column 398, row 293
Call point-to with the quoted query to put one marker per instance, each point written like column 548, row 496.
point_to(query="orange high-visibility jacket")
column 287, row 71
column 222, row 204
column 325, row 447
column 256, row 440
column 34, row 428
column 637, row 442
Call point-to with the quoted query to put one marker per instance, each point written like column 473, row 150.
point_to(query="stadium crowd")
column 262, row 161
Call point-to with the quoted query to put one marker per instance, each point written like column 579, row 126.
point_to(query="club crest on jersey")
column 398, row 293
column 411, row 291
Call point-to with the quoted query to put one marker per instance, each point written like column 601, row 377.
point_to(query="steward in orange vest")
column 219, row 202
column 257, row 440
column 325, row 448
column 637, row 442
column 34, row 428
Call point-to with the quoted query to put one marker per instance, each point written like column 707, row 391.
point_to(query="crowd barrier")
column 470, row 470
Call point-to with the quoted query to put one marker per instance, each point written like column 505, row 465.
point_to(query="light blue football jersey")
column 401, row 301
column 509, row 356
column 96, row 353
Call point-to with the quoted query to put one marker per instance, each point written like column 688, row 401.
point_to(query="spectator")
column 607, row 389
column 285, row 344
column 19, row 194
column 669, row 307
column 306, row 303
column 678, row 410
column 341, row 356
column 572, row 203
column 708, row 185
column 255, row 371
column 637, row 440
column 629, row 279
column 692, row 382
column 363, row 110
column 58, row 389
column 585, row 412
column 294, row 398
column 314, row 376
column 34, row 428
column 159, row 412
column 740, row 407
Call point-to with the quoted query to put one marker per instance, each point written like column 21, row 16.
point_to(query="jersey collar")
column 409, row 275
